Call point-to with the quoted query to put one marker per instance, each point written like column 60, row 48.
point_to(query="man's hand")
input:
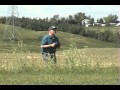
column 52, row 45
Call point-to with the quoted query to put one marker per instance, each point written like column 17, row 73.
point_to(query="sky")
column 43, row 11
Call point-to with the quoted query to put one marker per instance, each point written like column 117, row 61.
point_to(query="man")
column 49, row 44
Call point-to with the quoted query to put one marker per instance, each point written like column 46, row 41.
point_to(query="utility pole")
column 11, row 33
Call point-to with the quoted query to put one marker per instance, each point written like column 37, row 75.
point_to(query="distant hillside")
column 31, row 40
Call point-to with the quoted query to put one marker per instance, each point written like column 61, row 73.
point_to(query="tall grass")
column 76, row 66
column 73, row 60
column 84, row 60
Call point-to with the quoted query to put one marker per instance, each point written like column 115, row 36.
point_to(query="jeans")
column 49, row 56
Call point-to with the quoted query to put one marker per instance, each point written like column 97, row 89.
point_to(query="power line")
column 11, row 32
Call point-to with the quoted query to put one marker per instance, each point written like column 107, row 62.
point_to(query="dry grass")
column 105, row 57
column 74, row 66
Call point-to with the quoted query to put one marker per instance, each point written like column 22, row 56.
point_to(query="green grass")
column 31, row 40
column 40, row 78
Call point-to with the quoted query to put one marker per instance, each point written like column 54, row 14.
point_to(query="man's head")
column 52, row 30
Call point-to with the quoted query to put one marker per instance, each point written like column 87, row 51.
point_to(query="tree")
column 79, row 17
column 23, row 22
column 100, row 20
column 91, row 20
column 110, row 19
column 54, row 20
column 97, row 20
column 71, row 20
column 70, row 17
column 3, row 20
column 63, row 20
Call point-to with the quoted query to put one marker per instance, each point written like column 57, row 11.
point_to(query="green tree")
column 110, row 19
column 71, row 20
column 100, row 20
column 79, row 17
column 3, row 20
column 54, row 20
column 91, row 20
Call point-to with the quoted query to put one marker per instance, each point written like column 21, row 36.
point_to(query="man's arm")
column 46, row 46
column 44, row 43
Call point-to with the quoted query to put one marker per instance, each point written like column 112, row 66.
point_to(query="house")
column 86, row 23
column 96, row 24
column 112, row 24
column 118, row 24
column 103, row 25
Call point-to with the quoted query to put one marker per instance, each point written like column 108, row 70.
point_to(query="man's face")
column 53, row 32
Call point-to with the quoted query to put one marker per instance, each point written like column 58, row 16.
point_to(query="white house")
column 118, row 24
column 103, row 25
column 96, row 24
column 112, row 24
column 86, row 23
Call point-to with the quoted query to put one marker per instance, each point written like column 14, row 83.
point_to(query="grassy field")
column 88, row 66
column 31, row 40
column 81, row 61
column 40, row 78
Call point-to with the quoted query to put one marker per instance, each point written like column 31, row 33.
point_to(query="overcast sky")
column 43, row 11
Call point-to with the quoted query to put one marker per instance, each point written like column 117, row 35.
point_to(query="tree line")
column 71, row 24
